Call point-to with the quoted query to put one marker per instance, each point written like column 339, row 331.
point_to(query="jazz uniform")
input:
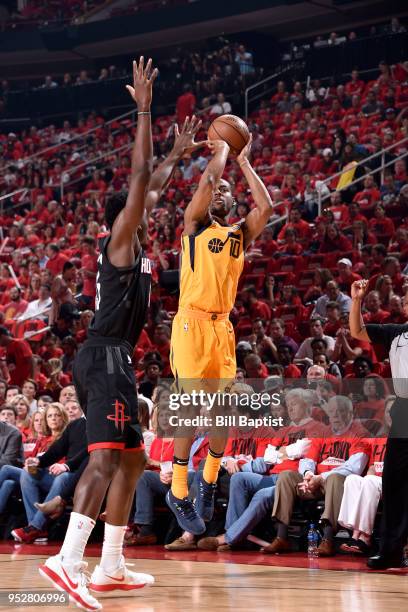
column 103, row 373
column 203, row 340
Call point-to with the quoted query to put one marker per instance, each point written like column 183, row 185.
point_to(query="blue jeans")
column 33, row 489
column 148, row 487
column 9, row 479
column 251, row 498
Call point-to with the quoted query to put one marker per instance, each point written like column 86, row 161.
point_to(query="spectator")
column 285, row 356
column 316, row 330
column 11, row 447
column 346, row 275
column 186, row 104
column 29, row 390
column 19, row 357
column 8, row 414
column 70, row 446
column 89, row 269
column 321, row 475
column 12, row 391
column 221, row 107
column 50, row 428
column 16, row 306
column 151, row 379
column 374, row 312
column 256, row 308
column 56, row 259
column 332, row 294
column 39, row 307
column 49, row 83
column 23, row 422
column 245, row 61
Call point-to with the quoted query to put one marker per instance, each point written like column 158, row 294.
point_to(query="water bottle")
column 312, row 542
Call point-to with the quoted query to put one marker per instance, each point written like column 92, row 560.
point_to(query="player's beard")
column 219, row 209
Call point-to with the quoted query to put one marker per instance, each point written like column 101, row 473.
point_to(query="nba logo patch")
column 185, row 327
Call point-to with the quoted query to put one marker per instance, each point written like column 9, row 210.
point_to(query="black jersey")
column 122, row 298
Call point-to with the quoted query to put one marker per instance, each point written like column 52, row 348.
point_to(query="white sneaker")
column 119, row 579
column 71, row 578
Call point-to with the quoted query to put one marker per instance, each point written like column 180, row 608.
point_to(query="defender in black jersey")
column 103, row 371
column 105, row 381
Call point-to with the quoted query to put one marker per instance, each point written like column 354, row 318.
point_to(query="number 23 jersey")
column 212, row 262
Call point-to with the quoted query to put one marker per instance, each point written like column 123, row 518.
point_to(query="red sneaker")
column 27, row 535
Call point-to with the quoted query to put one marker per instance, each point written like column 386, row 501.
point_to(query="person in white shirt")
column 40, row 307
column 29, row 390
column 222, row 107
column 305, row 349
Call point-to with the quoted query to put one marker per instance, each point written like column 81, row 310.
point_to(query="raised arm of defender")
column 122, row 243
column 183, row 143
column 259, row 216
column 357, row 327
column 197, row 211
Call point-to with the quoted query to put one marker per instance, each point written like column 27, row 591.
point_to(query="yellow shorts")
column 202, row 347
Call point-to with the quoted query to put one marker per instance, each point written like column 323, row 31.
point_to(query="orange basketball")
column 232, row 130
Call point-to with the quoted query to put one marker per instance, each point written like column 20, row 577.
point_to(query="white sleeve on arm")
column 302, row 351
column 354, row 465
column 306, row 465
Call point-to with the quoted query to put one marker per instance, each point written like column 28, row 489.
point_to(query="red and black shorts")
column 106, row 388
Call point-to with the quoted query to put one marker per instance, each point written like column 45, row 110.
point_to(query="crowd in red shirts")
column 291, row 312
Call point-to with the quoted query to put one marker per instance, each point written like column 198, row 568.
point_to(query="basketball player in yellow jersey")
column 203, row 341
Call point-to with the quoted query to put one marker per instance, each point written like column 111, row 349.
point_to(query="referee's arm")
column 357, row 327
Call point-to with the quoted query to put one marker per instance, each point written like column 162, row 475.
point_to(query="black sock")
column 179, row 461
column 214, row 454
column 328, row 532
column 282, row 530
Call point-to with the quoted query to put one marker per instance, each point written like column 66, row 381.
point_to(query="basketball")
column 232, row 129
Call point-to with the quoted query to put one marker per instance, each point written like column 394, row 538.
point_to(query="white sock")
column 112, row 548
column 76, row 538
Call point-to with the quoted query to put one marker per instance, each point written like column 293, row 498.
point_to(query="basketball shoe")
column 121, row 579
column 71, row 578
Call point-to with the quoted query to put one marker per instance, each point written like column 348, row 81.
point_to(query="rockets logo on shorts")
column 119, row 416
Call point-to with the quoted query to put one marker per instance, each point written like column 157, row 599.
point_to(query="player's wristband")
column 144, row 113
column 244, row 163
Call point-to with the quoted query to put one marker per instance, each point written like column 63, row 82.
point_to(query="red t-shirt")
column 377, row 446
column 55, row 265
column 330, row 453
column 20, row 355
column 90, row 263
column 161, row 450
column 260, row 309
column 289, row 435
column 185, row 106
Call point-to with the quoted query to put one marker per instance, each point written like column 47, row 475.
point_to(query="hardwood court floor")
column 230, row 582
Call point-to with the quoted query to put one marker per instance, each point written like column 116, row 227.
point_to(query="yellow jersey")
column 211, row 264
